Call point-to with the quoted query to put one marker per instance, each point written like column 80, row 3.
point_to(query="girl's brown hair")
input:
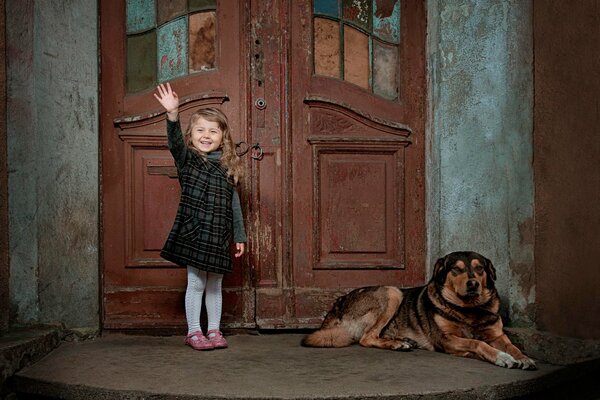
column 230, row 160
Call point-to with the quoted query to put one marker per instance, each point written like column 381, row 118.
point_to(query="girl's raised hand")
column 167, row 98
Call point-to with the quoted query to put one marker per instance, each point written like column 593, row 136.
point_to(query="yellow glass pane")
column 327, row 48
column 356, row 57
column 202, row 41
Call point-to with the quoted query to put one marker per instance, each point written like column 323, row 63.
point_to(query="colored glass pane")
column 167, row 10
column 358, row 12
column 385, row 67
column 202, row 41
column 356, row 57
column 386, row 20
column 172, row 54
column 141, row 66
column 327, row 7
column 327, row 47
column 140, row 15
column 196, row 5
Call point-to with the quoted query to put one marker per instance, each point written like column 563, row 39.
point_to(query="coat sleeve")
column 176, row 143
column 239, row 232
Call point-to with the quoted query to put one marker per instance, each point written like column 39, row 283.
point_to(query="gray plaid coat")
column 202, row 232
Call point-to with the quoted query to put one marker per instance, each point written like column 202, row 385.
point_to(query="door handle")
column 256, row 152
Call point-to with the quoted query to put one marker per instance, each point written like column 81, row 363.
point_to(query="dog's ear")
column 439, row 273
column 490, row 271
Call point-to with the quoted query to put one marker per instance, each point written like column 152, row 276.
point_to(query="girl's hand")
column 168, row 99
column 240, row 249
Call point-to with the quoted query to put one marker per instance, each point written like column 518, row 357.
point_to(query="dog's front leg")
column 470, row 347
column 504, row 344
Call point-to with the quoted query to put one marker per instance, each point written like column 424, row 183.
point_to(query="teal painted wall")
column 52, row 135
column 480, row 177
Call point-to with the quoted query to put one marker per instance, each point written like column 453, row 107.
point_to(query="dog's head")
column 465, row 278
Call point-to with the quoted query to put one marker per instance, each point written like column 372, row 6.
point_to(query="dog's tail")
column 329, row 337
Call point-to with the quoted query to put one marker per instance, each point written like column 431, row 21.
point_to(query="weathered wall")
column 4, row 266
column 52, row 123
column 480, row 178
column 567, row 166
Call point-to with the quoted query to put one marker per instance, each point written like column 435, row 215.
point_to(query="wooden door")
column 352, row 151
column 195, row 45
column 332, row 90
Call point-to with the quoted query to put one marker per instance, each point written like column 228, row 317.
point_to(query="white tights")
column 197, row 283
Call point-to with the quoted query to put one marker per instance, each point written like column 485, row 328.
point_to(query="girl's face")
column 206, row 135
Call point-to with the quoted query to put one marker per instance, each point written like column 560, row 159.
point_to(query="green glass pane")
column 385, row 70
column 386, row 20
column 167, row 10
column 327, row 7
column 141, row 61
column 196, row 5
column 140, row 15
column 358, row 12
column 173, row 49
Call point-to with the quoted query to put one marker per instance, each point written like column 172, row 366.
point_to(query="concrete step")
column 21, row 347
column 275, row 366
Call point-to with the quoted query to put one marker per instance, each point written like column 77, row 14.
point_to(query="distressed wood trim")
column 195, row 100
column 386, row 125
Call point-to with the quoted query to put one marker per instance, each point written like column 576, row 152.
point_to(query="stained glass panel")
column 327, row 7
column 196, row 5
column 140, row 15
column 172, row 50
column 358, row 12
column 141, row 61
column 385, row 65
column 386, row 20
column 356, row 57
column 202, row 41
column 327, row 48
column 167, row 10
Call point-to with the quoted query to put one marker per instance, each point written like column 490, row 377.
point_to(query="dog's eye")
column 457, row 270
column 479, row 269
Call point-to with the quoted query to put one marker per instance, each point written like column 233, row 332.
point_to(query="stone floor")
column 275, row 366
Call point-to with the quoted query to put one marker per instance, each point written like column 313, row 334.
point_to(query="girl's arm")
column 170, row 102
column 239, row 232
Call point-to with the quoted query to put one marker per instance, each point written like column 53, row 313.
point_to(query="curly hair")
column 229, row 159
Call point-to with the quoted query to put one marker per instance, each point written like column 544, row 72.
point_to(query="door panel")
column 357, row 139
column 194, row 45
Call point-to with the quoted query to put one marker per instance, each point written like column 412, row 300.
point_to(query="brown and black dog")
column 455, row 313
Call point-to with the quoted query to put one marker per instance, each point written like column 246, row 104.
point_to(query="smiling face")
column 206, row 136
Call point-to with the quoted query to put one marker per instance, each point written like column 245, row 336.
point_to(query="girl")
column 209, row 212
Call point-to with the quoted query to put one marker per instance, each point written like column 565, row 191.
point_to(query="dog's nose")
column 472, row 284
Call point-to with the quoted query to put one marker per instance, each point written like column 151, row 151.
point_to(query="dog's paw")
column 405, row 344
column 528, row 363
column 505, row 360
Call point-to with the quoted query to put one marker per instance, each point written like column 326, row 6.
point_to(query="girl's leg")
column 214, row 300
column 196, row 282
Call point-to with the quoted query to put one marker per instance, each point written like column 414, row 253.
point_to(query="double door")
column 333, row 93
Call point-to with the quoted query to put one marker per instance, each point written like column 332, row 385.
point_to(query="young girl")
column 209, row 212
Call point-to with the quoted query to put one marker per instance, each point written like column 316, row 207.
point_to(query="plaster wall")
column 52, row 124
column 567, row 166
column 480, row 176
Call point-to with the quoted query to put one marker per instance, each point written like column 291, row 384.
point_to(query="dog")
column 455, row 313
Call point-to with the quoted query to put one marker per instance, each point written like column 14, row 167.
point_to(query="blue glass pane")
column 386, row 20
column 327, row 7
column 141, row 15
column 173, row 49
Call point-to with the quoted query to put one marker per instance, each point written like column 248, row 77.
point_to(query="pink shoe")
column 197, row 341
column 215, row 337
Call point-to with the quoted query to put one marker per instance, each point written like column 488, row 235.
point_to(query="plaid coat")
column 202, row 232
